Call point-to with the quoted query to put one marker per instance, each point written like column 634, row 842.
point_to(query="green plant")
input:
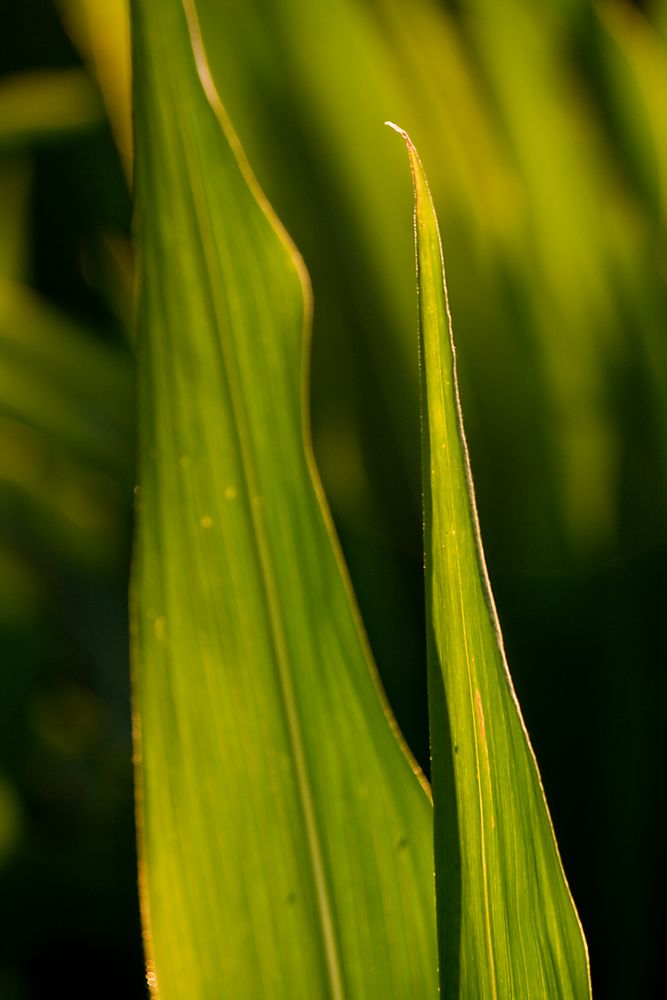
column 543, row 130
column 285, row 839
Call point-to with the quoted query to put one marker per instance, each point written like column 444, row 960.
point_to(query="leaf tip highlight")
column 401, row 131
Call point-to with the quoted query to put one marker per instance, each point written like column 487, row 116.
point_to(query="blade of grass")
column 285, row 838
column 507, row 923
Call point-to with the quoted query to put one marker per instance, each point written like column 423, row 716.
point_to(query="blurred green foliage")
column 542, row 126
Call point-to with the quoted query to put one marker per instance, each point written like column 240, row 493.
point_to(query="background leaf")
column 507, row 923
column 255, row 699
column 36, row 106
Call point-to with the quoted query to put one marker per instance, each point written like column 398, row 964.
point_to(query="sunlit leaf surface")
column 285, row 839
column 507, row 923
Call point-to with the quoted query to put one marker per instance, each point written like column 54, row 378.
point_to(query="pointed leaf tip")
column 507, row 925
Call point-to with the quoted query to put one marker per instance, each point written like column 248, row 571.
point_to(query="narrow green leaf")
column 285, row 838
column 43, row 105
column 101, row 32
column 507, row 925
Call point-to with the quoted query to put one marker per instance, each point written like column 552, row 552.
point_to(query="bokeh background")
column 543, row 128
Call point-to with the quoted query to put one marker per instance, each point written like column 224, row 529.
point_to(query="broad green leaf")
column 285, row 837
column 507, row 923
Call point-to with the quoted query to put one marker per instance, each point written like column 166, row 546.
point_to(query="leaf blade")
column 276, row 725
column 507, row 922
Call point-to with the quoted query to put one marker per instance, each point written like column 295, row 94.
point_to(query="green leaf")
column 101, row 32
column 285, row 836
column 44, row 105
column 507, row 925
